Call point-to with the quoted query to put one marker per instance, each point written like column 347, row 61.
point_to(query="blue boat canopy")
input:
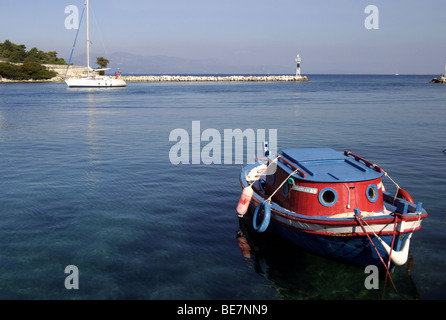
column 328, row 165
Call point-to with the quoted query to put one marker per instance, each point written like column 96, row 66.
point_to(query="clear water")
column 86, row 180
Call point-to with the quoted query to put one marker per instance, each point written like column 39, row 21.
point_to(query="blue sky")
column 330, row 35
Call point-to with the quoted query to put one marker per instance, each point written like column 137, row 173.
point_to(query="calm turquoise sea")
column 86, row 180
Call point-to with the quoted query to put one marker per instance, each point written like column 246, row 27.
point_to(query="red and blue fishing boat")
column 331, row 203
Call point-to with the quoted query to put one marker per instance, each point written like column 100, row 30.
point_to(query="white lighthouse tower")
column 298, row 65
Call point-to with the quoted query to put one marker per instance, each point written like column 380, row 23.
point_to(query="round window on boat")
column 372, row 193
column 328, row 197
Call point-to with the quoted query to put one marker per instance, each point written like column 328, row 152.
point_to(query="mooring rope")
column 293, row 173
column 390, row 255
column 387, row 267
column 396, row 184
column 358, row 217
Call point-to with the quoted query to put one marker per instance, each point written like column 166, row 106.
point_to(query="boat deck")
column 327, row 165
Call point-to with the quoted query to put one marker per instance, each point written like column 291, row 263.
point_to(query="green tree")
column 51, row 57
column 35, row 55
column 36, row 71
column 11, row 71
column 7, row 45
column 5, row 49
column 14, row 52
column 102, row 63
column 31, row 60
column 18, row 53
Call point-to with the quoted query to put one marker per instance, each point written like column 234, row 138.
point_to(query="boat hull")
column 93, row 82
column 352, row 238
column 354, row 249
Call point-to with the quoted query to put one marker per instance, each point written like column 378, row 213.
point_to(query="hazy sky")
column 330, row 34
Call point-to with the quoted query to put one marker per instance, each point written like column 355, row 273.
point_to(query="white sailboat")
column 93, row 79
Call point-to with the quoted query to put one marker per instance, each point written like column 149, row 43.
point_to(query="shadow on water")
column 298, row 274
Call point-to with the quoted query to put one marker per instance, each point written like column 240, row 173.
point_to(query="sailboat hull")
column 95, row 82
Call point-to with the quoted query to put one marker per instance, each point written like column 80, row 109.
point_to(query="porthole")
column 328, row 197
column 372, row 193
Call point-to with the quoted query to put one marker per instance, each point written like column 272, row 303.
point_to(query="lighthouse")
column 298, row 65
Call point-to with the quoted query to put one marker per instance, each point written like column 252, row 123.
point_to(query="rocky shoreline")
column 77, row 71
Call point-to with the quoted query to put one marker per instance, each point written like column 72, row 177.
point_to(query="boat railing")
column 363, row 161
column 299, row 171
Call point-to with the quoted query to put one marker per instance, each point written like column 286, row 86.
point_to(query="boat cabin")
column 327, row 182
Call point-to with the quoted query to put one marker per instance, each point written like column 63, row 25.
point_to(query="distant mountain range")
column 129, row 63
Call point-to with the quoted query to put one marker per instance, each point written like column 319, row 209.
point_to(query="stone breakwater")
column 213, row 78
column 78, row 71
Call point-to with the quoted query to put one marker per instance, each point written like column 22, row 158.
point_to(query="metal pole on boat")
column 88, row 37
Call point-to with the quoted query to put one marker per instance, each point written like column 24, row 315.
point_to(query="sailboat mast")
column 88, row 37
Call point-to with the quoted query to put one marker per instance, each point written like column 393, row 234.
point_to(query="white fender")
column 398, row 257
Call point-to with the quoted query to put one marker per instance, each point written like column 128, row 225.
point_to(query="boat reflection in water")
column 298, row 274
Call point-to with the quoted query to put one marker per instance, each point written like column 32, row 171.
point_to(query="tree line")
column 25, row 71
column 20, row 64
column 16, row 63
column 17, row 53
